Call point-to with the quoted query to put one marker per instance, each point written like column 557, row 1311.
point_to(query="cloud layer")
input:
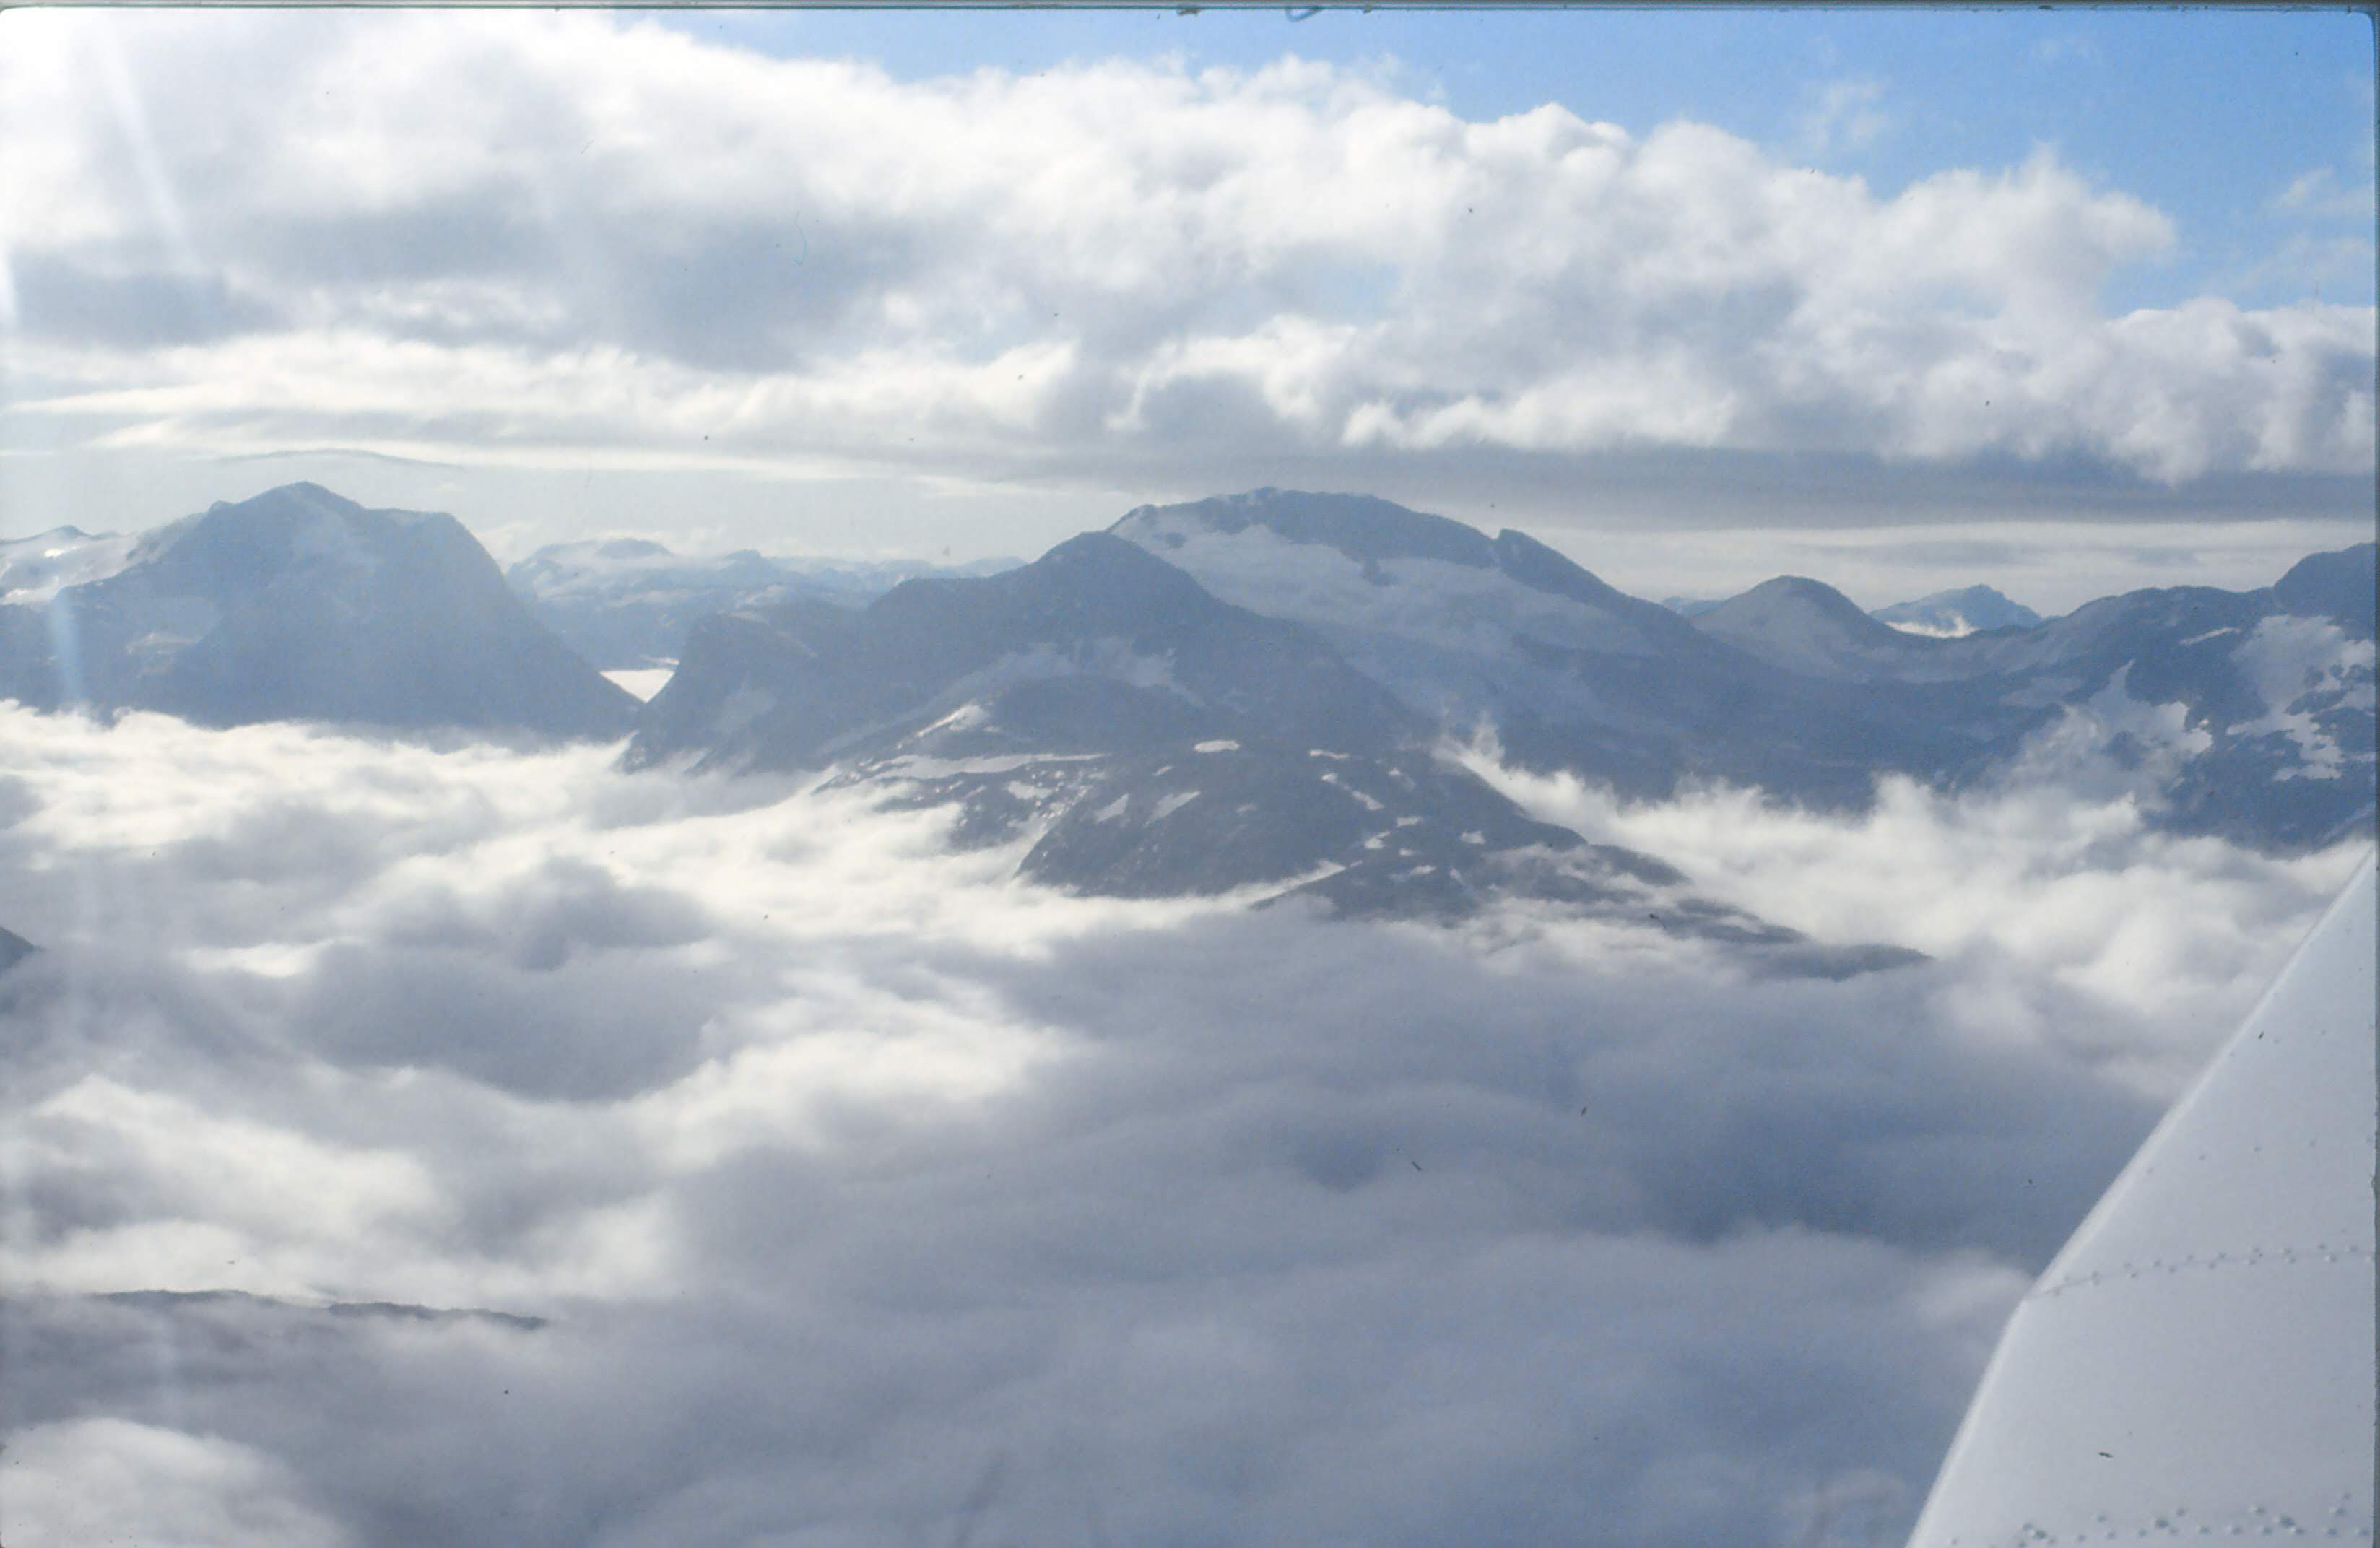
column 529, row 238
column 869, row 1197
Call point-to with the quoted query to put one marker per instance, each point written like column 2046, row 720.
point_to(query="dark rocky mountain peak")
column 1543, row 568
column 1807, row 626
column 302, row 536
column 1095, row 647
column 1090, row 582
column 1966, row 610
column 1792, row 688
column 2339, row 586
column 1800, row 598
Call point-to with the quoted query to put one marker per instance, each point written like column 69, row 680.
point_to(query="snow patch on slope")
column 917, row 766
column 643, row 682
column 2112, row 744
column 1456, row 606
column 2301, row 666
column 1953, row 628
column 35, row 570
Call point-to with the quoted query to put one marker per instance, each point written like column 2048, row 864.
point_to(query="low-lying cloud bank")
column 2035, row 881
column 869, row 1196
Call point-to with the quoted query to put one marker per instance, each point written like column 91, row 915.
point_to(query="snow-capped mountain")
column 33, row 570
column 1234, row 694
column 1808, row 626
column 627, row 603
column 2244, row 713
column 1159, row 742
column 1952, row 614
column 2248, row 714
column 295, row 605
column 1504, row 631
column 2339, row 586
column 1090, row 647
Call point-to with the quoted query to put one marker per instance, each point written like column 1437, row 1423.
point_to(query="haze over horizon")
column 1875, row 571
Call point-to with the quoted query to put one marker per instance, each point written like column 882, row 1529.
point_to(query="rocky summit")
column 295, row 605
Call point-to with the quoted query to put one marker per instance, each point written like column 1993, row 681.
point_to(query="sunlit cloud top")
column 582, row 240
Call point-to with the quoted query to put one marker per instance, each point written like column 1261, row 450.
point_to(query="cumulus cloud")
column 866, row 1195
column 527, row 238
column 113, row 1481
column 2053, row 876
column 1844, row 114
column 2323, row 194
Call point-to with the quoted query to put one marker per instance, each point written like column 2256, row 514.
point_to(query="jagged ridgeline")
column 1162, row 743
column 2248, row 714
column 1240, row 693
column 627, row 603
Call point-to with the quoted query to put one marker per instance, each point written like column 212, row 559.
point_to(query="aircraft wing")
column 2199, row 1360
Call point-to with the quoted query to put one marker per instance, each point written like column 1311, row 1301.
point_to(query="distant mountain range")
column 1158, row 741
column 627, row 603
column 1238, row 694
column 1945, row 614
column 1950, row 614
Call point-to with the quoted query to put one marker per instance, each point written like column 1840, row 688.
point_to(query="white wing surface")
column 2198, row 1361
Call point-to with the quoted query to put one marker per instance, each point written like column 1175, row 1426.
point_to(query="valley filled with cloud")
column 516, row 1150
column 675, row 870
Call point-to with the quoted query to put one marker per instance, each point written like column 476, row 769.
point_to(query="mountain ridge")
column 627, row 603
column 1966, row 610
column 299, row 604
column 1791, row 688
column 1233, row 693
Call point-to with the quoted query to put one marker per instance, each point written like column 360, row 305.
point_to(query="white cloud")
column 113, row 1481
column 520, row 238
column 2053, row 876
column 874, row 1197
column 216, row 1180
column 1846, row 114
column 2059, row 50
column 2322, row 194
column 2308, row 260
